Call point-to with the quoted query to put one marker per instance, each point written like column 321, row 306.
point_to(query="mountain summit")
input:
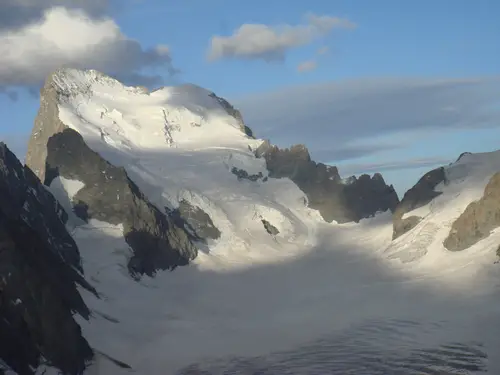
column 150, row 181
column 138, row 155
column 122, row 184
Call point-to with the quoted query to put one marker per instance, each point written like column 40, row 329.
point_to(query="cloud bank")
column 40, row 36
column 271, row 43
column 344, row 121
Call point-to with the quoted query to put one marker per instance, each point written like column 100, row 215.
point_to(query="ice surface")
column 251, row 294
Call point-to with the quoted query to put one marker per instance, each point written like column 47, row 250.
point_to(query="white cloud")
column 354, row 119
column 73, row 37
column 15, row 14
column 306, row 66
column 270, row 43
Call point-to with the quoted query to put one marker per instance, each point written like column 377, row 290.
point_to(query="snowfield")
column 249, row 293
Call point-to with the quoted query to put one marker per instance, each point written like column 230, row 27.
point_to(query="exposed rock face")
column 271, row 229
column 241, row 174
column 47, row 123
column 478, row 219
column 109, row 195
column 335, row 200
column 419, row 195
column 198, row 222
column 40, row 268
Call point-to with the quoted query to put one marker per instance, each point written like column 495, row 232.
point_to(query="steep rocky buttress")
column 40, row 269
column 326, row 192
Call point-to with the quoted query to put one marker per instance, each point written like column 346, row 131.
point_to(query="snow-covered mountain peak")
column 98, row 106
column 152, row 181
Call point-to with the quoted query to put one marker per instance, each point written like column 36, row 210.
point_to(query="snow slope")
column 423, row 246
column 247, row 293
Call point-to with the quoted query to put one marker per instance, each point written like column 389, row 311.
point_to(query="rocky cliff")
column 108, row 194
column 40, row 269
column 334, row 198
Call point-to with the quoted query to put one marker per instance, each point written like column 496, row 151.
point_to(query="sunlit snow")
column 250, row 294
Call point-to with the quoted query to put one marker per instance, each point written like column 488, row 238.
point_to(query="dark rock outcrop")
column 40, row 268
column 326, row 192
column 419, row 195
column 196, row 221
column 109, row 195
column 478, row 219
column 463, row 154
column 241, row 174
column 271, row 229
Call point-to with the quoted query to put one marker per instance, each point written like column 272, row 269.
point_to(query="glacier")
column 252, row 302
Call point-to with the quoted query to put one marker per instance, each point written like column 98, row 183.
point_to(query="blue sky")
column 368, row 60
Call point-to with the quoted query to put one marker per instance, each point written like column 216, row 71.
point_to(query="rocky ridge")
column 326, row 192
column 418, row 196
column 40, row 268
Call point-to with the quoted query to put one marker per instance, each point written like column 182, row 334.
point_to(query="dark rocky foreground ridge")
column 326, row 192
column 40, row 269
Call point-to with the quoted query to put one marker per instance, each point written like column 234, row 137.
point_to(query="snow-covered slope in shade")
column 247, row 293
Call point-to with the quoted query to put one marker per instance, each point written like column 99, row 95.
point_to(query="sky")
column 390, row 86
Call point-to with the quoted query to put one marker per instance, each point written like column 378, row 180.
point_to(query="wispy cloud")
column 76, row 33
column 312, row 64
column 271, row 43
column 343, row 120
column 394, row 165
column 306, row 66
